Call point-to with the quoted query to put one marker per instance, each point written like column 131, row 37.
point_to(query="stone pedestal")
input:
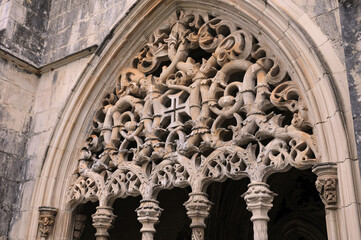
column 148, row 215
column 198, row 207
column 103, row 220
column 259, row 201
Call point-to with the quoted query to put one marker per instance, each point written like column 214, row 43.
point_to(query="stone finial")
column 46, row 220
column 326, row 183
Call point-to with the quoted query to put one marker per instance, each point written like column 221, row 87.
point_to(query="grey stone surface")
column 350, row 13
column 78, row 24
column 14, row 137
column 23, row 28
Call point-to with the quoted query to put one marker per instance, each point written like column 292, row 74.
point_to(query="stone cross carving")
column 176, row 110
column 203, row 101
column 46, row 220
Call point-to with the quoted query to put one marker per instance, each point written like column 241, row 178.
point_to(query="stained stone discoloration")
column 24, row 25
column 350, row 13
column 15, row 118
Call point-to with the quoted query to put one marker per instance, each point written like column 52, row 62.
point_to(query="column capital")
column 326, row 183
column 46, row 220
column 103, row 220
column 198, row 207
column 148, row 215
column 259, row 200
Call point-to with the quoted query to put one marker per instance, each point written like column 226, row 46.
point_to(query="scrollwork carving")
column 202, row 101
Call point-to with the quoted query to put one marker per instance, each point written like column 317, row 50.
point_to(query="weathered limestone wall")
column 78, row 24
column 53, row 90
column 326, row 15
column 17, row 95
column 350, row 12
column 23, row 26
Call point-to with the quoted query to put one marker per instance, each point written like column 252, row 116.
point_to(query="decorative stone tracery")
column 201, row 102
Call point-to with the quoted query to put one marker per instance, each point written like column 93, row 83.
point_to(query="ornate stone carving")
column 327, row 189
column 79, row 225
column 326, row 184
column 201, row 102
column 46, row 220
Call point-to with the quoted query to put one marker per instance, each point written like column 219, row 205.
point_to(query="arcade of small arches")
column 202, row 104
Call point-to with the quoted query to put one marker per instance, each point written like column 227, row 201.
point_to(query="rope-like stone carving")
column 202, row 101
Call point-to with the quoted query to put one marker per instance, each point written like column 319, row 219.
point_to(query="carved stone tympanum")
column 201, row 102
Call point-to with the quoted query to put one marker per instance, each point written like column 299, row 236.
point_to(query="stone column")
column 326, row 184
column 103, row 220
column 46, row 221
column 198, row 207
column 259, row 201
column 148, row 215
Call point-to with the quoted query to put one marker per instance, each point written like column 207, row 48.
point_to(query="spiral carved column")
column 103, row 220
column 259, row 201
column 148, row 215
column 198, row 207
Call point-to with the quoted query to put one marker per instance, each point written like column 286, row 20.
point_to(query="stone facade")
column 59, row 58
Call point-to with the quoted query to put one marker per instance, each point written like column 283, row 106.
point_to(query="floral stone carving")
column 202, row 101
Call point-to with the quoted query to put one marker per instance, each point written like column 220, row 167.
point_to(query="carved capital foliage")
column 327, row 189
column 326, row 184
column 202, row 101
column 46, row 220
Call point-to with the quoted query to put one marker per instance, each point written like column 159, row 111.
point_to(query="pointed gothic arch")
column 278, row 38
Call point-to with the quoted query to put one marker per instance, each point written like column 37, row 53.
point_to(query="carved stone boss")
column 203, row 101
column 46, row 220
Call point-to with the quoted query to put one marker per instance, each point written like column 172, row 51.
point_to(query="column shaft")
column 259, row 201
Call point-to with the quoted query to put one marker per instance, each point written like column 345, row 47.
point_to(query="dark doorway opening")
column 229, row 219
column 298, row 212
column 174, row 223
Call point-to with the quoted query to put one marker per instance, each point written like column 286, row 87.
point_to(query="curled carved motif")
column 202, row 101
